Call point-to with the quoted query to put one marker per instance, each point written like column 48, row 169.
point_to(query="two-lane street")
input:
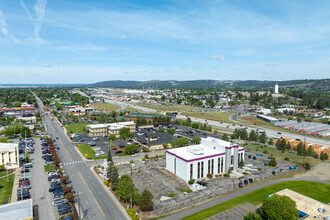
column 94, row 201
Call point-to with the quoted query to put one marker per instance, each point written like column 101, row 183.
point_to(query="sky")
column 81, row 41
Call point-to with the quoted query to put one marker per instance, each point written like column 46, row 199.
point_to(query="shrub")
column 189, row 191
column 245, row 173
column 209, row 176
column 143, row 159
column 182, row 190
column 64, row 179
column 286, row 158
column 192, row 181
column 172, row 195
column 69, row 197
column 131, row 161
column 273, row 162
column 259, row 169
column 146, row 156
column 106, row 182
column 132, row 214
column 226, row 175
column 67, row 189
column 307, row 166
column 265, row 152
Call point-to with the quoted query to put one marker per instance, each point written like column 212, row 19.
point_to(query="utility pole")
column 131, row 190
column 304, row 151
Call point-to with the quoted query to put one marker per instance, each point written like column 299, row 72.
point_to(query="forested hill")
column 315, row 84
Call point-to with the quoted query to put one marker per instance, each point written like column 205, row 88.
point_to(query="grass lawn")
column 86, row 149
column 215, row 116
column 318, row 191
column 50, row 167
column 105, row 106
column 76, row 127
column 6, row 187
column 170, row 107
column 279, row 155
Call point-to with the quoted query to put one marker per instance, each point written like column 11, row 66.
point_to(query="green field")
column 85, row 149
column 170, row 107
column 6, row 187
column 318, row 191
column 279, row 155
column 48, row 168
column 215, row 116
column 105, row 106
column 76, row 127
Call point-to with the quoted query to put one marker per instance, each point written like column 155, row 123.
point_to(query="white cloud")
column 46, row 65
column 271, row 64
column 5, row 28
column 86, row 47
column 218, row 57
column 40, row 8
column 26, row 10
column 123, row 36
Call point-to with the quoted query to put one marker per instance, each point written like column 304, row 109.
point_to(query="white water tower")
column 276, row 89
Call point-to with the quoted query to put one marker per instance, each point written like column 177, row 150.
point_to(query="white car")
column 134, row 155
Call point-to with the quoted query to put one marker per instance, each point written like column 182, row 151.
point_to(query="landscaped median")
column 88, row 152
column 315, row 190
column 48, row 168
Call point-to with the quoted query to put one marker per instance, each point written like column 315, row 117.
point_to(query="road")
column 231, row 196
column 94, row 200
column 124, row 105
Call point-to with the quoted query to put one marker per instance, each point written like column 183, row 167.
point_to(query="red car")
column 122, row 146
column 114, row 148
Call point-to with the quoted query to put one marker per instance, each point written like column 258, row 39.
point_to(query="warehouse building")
column 211, row 156
column 283, row 123
column 108, row 129
column 17, row 210
column 9, row 155
column 268, row 119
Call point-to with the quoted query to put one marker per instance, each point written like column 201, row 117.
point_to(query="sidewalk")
column 15, row 185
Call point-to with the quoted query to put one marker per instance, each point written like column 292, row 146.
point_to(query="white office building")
column 9, row 155
column 211, row 156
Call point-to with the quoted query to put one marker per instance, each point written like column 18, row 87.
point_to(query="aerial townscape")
column 119, row 110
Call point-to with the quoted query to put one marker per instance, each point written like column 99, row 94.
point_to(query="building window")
column 219, row 165
column 198, row 170
column 212, row 170
column 191, row 171
column 231, row 160
column 209, row 166
column 202, row 169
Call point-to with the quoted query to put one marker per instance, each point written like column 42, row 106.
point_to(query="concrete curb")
column 120, row 207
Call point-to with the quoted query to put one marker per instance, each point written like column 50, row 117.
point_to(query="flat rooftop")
column 306, row 204
column 5, row 146
column 17, row 210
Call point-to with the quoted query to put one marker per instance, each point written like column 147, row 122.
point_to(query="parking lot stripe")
column 232, row 187
column 220, row 191
column 178, row 205
column 169, row 210
column 145, row 179
column 226, row 189
column 207, row 196
column 164, row 192
column 213, row 194
column 142, row 176
column 200, row 199
column 161, row 210
column 155, row 187
column 159, row 191
column 193, row 201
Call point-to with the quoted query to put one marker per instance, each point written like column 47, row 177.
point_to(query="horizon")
column 85, row 42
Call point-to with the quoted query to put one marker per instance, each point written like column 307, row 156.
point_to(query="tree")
column 288, row 146
column 171, row 131
column 125, row 133
column 161, row 130
column 123, row 188
column 112, row 137
column 225, row 137
column 69, row 196
column 165, row 145
column 67, row 189
column 253, row 136
column 241, row 163
column 263, row 137
column 109, row 157
column 195, row 125
column 300, row 149
column 25, row 130
column 307, row 166
column 114, row 178
column 145, row 202
column 229, row 171
column 195, row 140
column 273, row 162
column 279, row 207
column 163, row 98
column 182, row 142
column 252, row 216
column 130, row 149
column 299, row 120
column 271, row 142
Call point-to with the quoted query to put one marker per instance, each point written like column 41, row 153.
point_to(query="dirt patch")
column 321, row 170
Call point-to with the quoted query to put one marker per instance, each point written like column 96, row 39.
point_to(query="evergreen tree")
column 145, row 202
column 114, row 177
column 263, row 137
column 271, row 142
column 109, row 157
column 225, row 137
column 253, row 136
column 288, row 146
column 123, row 188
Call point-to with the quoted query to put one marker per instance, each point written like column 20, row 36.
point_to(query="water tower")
column 276, row 89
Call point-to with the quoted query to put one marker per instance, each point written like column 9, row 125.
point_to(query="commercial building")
column 78, row 110
column 268, row 119
column 17, row 210
column 9, row 155
column 28, row 120
column 211, row 156
column 154, row 140
column 108, row 129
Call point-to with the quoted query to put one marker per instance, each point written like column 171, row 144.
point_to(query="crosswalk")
column 73, row 162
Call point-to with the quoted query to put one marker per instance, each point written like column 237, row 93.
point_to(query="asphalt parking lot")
column 188, row 132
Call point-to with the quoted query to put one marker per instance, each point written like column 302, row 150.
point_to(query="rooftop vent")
column 195, row 150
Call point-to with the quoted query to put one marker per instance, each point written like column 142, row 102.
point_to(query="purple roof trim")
column 241, row 149
column 235, row 146
column 201, row 158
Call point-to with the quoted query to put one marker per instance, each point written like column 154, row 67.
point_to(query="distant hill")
column 313, row 84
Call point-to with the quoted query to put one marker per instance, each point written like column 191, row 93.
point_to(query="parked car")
column 250, row 180
column 274, row 173
column 114, row 148
column 254, row 158
column 270, row 157
column 258, row 154
column 202, row 183
column 240, row 185
column 249, row 156
column 281, row 170
column 246, row 182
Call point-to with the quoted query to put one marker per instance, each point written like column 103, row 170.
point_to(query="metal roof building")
column 17, row 210
column 281, row 123
column 314, row 125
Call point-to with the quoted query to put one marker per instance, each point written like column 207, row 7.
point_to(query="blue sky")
column 58, row 41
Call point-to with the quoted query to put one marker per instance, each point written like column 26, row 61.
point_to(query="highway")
column 94, row 200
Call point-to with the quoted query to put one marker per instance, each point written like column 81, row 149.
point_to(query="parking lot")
column 189, row 132
column 160, row 182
